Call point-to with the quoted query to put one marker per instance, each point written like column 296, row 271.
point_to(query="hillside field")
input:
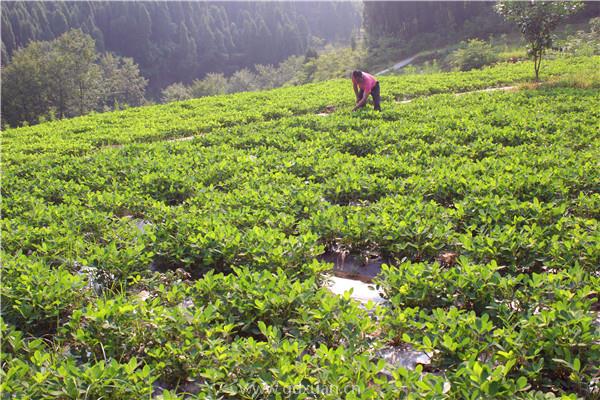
column 175, row 251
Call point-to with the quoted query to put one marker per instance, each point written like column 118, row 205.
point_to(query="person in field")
column 367, row 85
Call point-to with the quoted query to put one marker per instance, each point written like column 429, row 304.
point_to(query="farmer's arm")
column 355, row 87
column 362, row 101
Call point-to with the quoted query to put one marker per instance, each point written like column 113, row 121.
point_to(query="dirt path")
column 492, row 89
column 398, row 65
column 181, row 139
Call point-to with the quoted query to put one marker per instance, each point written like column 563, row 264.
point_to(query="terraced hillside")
column 136, row 264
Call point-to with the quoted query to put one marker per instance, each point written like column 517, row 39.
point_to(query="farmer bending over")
column 367, row 84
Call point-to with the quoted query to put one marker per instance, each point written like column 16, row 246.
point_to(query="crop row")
column 273, row 195
column 180, row 119
column 238, row 334
column 537, row 326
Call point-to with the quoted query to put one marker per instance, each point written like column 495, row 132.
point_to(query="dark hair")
column 357, row 74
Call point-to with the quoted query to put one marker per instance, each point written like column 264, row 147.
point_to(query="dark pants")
column 375, row 94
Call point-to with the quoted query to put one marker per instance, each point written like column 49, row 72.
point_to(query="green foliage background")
column 182, row 41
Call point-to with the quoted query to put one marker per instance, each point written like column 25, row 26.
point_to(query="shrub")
column 474, row 54
column 36, row 297
column 175, row 92
column 33, row 370
column 584, row 43
column 212, row 84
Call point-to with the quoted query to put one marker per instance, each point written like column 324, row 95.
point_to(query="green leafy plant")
column 473, row 54
column 135, row 264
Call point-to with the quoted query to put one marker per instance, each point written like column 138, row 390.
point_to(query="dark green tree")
column 211, row 85
column 58, row 22
column 8, row 37
column 24, row 87
column 64, row 78
column 242, row 81
column 227, row 36
column 175, row 92
column 185, row 54
column 121, row 82
column 73, row 73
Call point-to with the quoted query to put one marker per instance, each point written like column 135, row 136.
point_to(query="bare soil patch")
column 493, row 89
column 353, row 267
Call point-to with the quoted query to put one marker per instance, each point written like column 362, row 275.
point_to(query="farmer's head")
column 357, row 76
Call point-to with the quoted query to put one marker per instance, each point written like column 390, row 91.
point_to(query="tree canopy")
column 183, row 41
column 66, row 77
column 536, row 21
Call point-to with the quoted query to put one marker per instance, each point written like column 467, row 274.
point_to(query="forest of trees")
column 405, row 20
column 67, row 77
column 418, row 25
column 330, row 63
column 183, row 41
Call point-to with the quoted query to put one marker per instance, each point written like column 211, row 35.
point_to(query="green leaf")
column 576, row 364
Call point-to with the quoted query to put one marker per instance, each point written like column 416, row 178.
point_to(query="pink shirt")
column 368, row 82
